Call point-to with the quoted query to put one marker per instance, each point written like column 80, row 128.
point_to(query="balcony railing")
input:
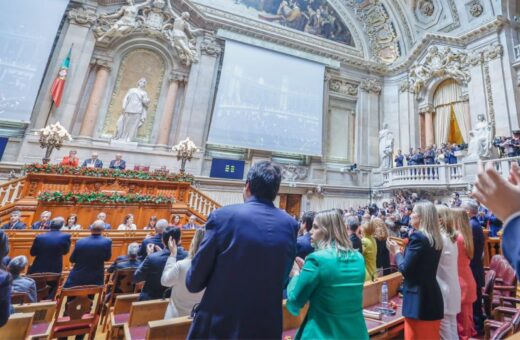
column 438, row 175
column 517, row 52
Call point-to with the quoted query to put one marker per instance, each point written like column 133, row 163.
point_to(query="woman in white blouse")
column 72, row 223
column 128, row 223
column 174, row 276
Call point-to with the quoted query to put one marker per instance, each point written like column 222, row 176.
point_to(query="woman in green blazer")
column 331, row 280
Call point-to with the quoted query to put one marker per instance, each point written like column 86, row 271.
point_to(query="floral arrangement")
column 99, row 197
column 105, row 172
column 52, row 137
column 185, row 150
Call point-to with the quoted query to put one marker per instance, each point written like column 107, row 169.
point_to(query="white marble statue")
column 121, row 22
column 386, row 146
column 135, row 105
column 182, row 38
column 481, row 139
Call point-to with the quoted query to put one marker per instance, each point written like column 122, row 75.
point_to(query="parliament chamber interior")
column 245, row 169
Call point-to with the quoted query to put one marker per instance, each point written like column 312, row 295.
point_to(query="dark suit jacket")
column 422, row 297
column 303, row 246
column 89, row 258
column 48, row 250
column 476, row 264
column 156, row 239
column 356, row 242
column 510, row 244
column 124, row 264
column 122, row 165
column 4, row 241
column 150, row 271
column 107, row 226
column 17, row 225
column 5, row 297
column 97, row 164
column 243, row 263
column 37, row 225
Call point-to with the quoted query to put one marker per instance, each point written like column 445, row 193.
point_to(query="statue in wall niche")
column 386, row 147
column 182, row 38
column 135, row 105
column 121, row 22
column 481, row 140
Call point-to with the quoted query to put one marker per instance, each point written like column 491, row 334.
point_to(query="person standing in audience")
column 21, row 284
column 244, row 262
column 423, row 306
column 151, row 269
column 495, row 225
column 383, row 255
column 399, row 159
column 154, row 242
column 118, row 163
column 447, row 274
column 102, row 217
column 72, row 223
column 468, row 286
column 128, row 223
column 354, row 233
column 477, row 266
column 48, row 249
column 191, row 223
column 303, row 242
column 4, row 249
column 44, row 222
column 151, row 223
column 89, row 257
column 331, row 281
column 370, row 248
column 71, row 159
column 92, row 162
column 174, row 276
column 14, row 221
column 5, row 296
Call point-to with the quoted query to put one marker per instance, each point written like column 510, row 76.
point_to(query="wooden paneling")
column 291, row 203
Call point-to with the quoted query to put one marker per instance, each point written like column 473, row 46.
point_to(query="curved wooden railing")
column 11, row 191
column 201, row 203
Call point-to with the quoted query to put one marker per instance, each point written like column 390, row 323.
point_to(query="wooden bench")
column 17, row 327
column 119, row 314
column 140, row 314
column 42, row 320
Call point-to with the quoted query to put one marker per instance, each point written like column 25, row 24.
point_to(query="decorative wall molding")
column 176, row 76
column 489, row 97
column 82, row 16
column 426, row 109
column 342, row 86
column 371, row 85
column 292, row 173
column 475, row 8
column 210, row 46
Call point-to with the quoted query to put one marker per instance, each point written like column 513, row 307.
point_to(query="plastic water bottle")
column 384, row 295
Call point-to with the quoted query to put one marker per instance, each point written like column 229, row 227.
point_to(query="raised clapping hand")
column 297, row 266
column 173, row 247
column 152, row 248
column 499, row 195
column 392, row 246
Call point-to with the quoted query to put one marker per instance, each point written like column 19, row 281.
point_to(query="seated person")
column 92, row 162
column 14, row 221
column 71, row 159
column 176, row 221
column 44, row 222
column 152, row 267
column 118, row 163
column 129, row 261
column 155, row 242
column 128, row 223
column 303, row 243
column 174, row 276
column 151, row 223
column 21, row 284
column 191, row 223
column 72, row 223
column 102, row 217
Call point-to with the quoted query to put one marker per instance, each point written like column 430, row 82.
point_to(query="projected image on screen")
column 268, row 101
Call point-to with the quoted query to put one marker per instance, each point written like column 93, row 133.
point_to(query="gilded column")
column 96, row 96
column 169, row 107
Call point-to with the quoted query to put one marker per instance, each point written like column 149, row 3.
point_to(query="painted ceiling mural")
column 311, row 16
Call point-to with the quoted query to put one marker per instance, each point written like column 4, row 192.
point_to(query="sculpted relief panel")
column 134, row 66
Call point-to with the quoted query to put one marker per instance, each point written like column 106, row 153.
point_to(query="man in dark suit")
column 243, row 263
column 303, row 242
column 191, row 223
column 49, row 249
column 155, row 242
column 118, row 163
column 89, row 257
column 477, row 267
column 129, row 261
column 44, row 222
column 102, row 217
column 152, row 267
column 14, row 221
column 399, row 159
column 92, row 162
column 353, row 230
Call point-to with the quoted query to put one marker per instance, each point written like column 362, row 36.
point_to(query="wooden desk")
column 20, row 242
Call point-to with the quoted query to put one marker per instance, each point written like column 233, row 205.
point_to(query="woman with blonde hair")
column 331, row 281
column 468, row 286
column 174, row 276
column 447, row 273
column 370, row 248
column 423, row 306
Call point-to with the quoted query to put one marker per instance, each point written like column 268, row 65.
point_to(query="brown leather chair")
column 487, row 292
column 497, row 331
column 120, row 283
column 81, row 313
column 46, row 285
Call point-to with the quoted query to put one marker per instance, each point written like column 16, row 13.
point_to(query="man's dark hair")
column 409, row 208
column 307, row 219
column 171, row 232
column 353, row 226
column 264, row 180
column 57, row 223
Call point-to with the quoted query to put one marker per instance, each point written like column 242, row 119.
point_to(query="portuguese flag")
column 59, row 83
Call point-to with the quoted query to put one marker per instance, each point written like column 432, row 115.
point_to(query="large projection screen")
column 27, row 32
column 268, row 101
